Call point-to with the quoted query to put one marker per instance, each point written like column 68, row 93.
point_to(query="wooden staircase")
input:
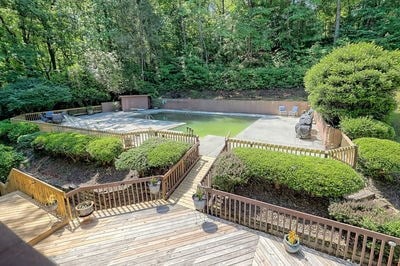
column 183, row 194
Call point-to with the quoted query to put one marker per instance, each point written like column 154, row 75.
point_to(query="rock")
column 364, row 194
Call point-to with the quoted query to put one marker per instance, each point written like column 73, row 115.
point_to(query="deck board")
column 177, row 236
column 24, row 217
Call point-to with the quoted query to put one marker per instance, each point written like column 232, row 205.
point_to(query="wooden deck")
column 170, row 235
column 27, row 219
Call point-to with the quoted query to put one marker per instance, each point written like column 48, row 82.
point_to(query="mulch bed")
column 287, row 198
column 66, row 174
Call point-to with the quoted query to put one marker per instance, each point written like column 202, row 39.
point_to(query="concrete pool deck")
column 268, row 128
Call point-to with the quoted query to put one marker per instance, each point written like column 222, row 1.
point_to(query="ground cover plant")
column 314, row 176
column 154, row 156
column 379, row 158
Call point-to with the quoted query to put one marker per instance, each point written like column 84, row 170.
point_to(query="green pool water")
column 202, row 124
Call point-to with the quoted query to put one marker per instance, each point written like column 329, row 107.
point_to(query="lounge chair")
column 295, row 111
column 282, row 110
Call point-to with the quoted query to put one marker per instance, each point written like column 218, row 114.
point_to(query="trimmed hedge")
column 5, row 127
column 228, row 172
column 79, row 147
column 317, row 176
column 362, row 127
column 71, row 145
column 379, row 158
column 8, row 159
column 105, row 150
column 154, row 156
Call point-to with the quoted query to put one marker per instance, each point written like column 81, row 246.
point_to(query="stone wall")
column 131, row 102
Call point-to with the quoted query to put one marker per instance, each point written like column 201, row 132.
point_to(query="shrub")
column 25, row 141
column 153, row 156
column 353, row 81
column 379, row 158
column 19, row 129
column 362, row 127
column 366, row 214
column 318, row 176
column 105, row 150
column 71, row 145
column 166, row 154
column 30, row 95
column 228, row 171
column 8, row 159
column 5, row 127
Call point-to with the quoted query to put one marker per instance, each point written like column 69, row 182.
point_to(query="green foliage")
column 228, row 172
column 366, row 127
column 367, row 214
column 21, row 128
column 8, row 159
column 379, row 158
column 25, row 141
column 5, row 127
column 71, row 145
column 29, row 95
column 355, row 80
column 105, row 150
column 155, row 155
column 317, row 176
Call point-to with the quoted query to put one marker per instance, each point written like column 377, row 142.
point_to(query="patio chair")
column 282, row 110
column 295, row 111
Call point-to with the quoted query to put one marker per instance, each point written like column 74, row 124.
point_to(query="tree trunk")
column 337, row 22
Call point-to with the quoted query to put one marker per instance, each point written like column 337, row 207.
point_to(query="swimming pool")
column 204, row 124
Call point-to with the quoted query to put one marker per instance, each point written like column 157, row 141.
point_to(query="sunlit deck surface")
column 170, row 235
column 24, row 217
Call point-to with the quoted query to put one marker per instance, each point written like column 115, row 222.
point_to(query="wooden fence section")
column 347, row 155
column 112, row 195
column 342, row 240
column 177, row 173
column 37, row 189
column 70, row 111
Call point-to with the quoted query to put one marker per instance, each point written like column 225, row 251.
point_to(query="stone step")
column 364, row 194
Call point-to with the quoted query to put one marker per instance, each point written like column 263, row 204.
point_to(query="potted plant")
column 90, row 110
column 51, row 203
column 154, row 185
column 291, row 242
column 116, row 106
column 199, row 199
column 85, row 208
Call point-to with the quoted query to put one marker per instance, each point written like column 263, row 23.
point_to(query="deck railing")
column 112, row 195
column 37, row 189
column 129, row 139
column 347, row 155
column 177, row 173
column 341, row 240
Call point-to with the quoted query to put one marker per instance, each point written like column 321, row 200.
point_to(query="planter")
column 199, row 204
column 154, row 189
column 51, row 207
column 289, row 247
column 90, row 111
column 84, row 208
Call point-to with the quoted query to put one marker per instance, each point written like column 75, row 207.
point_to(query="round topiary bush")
column 353, row 81
column 366, row 127
column 379, row 158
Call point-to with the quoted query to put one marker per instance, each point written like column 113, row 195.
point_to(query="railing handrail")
column 36, row 180
column 111, row 184
column 308, row 216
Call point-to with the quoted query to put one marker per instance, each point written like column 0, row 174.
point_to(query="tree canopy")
column 159, row 46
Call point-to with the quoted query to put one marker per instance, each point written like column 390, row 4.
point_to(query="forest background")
column 82, row 52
